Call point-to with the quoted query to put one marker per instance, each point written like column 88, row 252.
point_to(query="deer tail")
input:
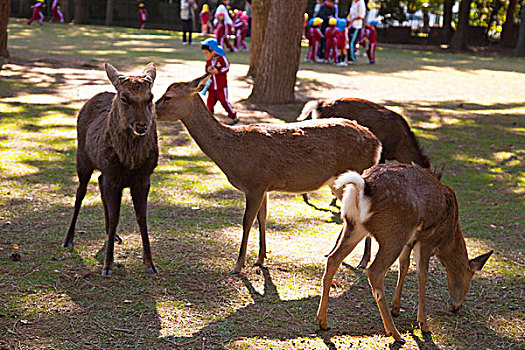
column 309, row 108
column 355, row 204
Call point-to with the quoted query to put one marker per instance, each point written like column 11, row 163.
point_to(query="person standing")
column 205, row 19
column 218, row 66
column 326, row 11
column 186, row 16
column 143, row 15
column 355, row 22
column 371, row 35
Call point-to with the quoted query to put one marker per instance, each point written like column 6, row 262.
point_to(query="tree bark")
column 260, row 12
column 5, row 11
column 81, row 13
column 460, row 38
column 279, row 60
column 447, row 20
column 109, row 12
column 507, row 32
column 520, row 46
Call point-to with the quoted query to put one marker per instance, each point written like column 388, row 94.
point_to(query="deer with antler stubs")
column 117, row 134
column 404, row 207
column 259, row 158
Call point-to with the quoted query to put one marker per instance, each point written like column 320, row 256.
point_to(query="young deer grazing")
column 117, row 134
column 296, row 157
column 404, row 207
column 398, row 141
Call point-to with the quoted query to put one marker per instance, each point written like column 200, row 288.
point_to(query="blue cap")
column 373, row 23
column 310, row 22
column 341, row 24
column 214, row 45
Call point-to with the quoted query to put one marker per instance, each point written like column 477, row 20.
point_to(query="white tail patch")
column 378, row 155
column 355, row 204
column 309, row 108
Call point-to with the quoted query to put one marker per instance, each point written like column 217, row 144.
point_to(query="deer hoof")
column 118, row 239
column 67, row 245
column 107, row 272
column 234, row 272
column 400, row 341
column 258, row 264
column 395, row 311
column 152, row 270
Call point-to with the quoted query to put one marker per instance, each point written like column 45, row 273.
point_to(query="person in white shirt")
column 355, row 23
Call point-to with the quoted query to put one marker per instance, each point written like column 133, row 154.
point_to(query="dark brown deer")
column 404, row 207
column 259, row 158
column 399, row 142
column 117, row 134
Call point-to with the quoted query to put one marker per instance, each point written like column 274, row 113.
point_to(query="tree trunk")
column 24, row 9
column 447, row 20
column 5, row 11
column 279, row 61
column 507, row 38
column 109, row 12
column 81, row 13
column 520, row 47
column 260, row 11
column 459, row 40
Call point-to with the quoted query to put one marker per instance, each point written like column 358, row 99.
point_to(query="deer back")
column 399, row 142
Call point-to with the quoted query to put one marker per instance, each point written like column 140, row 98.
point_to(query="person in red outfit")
column 205, row 18
column 217, row 64
column 314, row 39
column 371, row 34
column 331, row 41
column 37, row 12
column 143, row 16
column 221, row 32
column 239, row 30
column 56, row 13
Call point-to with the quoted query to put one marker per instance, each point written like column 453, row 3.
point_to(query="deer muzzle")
column 140, row 128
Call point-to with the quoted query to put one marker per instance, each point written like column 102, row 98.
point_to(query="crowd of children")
column 226, row 23
column 335, row 40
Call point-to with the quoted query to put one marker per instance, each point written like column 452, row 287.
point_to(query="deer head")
column 133, row 102
column 178, row 101
column 459, row 280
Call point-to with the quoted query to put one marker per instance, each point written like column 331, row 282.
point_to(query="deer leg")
column 112, row 198
column 366, row 254
column 253, row 204
column 101, row 187
column 404, row 263
column 261, row 218
column 83, row 176
column 139, row 195
column 422, row 257
column 350, row 238
column 385, row 257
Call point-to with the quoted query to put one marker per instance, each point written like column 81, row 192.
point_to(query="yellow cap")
column 205, row 8
column 141, row 5
column 305, row 15
column 317, row 21
column 332, row 21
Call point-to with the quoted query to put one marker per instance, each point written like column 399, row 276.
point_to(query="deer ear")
column 150, row 71
column 198, row 84
column 113, row 74
column 477, row 263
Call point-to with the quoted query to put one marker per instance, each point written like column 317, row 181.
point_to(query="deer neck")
column 208, row 132
column 453, row 253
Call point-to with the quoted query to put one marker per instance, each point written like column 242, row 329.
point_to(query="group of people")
column 335, row 40
column 38, row 14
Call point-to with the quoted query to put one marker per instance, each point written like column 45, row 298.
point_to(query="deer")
column 117, row 135
column 404, row 207
column 399, row 142
column 260, row 158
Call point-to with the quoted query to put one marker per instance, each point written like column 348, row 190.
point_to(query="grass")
column 467, row 111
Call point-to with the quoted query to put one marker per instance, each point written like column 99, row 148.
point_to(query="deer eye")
column 167, row 98
column 124, row 100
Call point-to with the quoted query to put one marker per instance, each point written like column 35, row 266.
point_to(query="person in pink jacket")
column 143, row 15
column 331, row 41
